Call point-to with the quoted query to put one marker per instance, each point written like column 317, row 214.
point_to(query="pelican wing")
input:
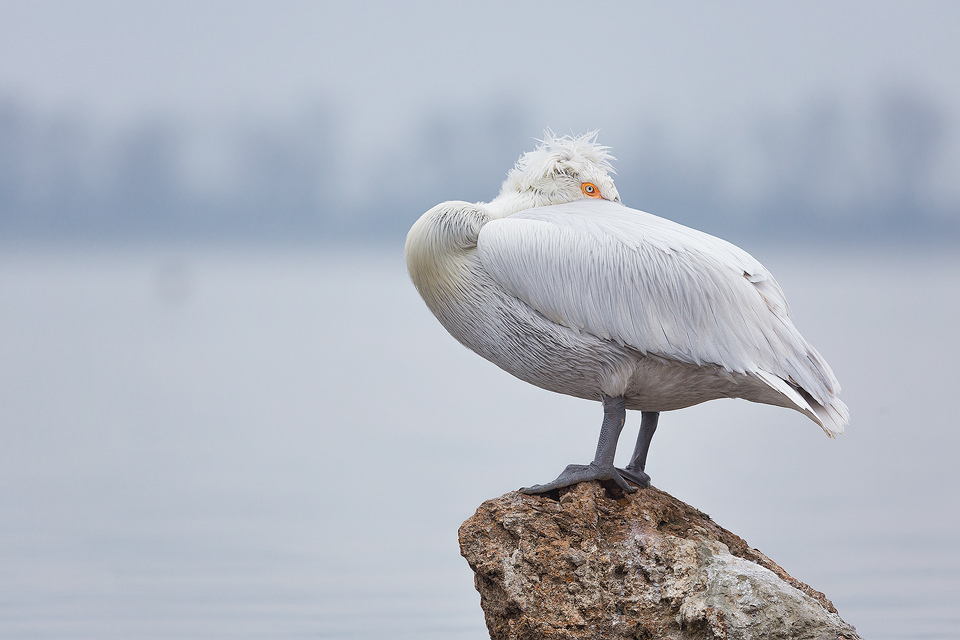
column 655, row 286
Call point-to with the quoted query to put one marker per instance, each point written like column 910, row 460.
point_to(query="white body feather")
column 590, row 298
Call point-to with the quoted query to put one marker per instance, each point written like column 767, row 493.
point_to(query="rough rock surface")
column 581, row 563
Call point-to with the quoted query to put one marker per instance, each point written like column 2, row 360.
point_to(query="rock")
column 582, row 563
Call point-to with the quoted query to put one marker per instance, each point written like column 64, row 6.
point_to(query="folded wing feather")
column 655, row 286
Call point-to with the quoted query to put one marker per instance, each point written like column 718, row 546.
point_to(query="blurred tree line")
column 876, row 173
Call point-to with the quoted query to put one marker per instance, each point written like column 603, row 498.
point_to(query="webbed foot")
column 576, row 473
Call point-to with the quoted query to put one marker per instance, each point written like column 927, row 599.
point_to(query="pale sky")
column 385, row 61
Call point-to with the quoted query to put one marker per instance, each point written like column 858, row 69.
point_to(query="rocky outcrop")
column 582, row 563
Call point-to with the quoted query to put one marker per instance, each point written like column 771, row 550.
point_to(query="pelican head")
column 562, row 169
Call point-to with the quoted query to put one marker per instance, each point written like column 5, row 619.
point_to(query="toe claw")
column 534, row 490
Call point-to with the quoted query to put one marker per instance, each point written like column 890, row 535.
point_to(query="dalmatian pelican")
column 558, row 283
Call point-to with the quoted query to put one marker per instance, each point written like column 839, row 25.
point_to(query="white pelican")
column 558, row 283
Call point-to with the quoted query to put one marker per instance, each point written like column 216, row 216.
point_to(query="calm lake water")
column 283, row 442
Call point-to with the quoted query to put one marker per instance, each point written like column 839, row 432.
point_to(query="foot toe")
column 637, row 477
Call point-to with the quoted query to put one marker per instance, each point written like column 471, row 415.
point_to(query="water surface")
column 283, row 442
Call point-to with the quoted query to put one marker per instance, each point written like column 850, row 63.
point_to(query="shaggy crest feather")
column 553, row 156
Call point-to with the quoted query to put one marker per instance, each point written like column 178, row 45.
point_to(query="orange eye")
column 590, row 190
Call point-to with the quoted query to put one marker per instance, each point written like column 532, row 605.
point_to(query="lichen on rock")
column 583, row 563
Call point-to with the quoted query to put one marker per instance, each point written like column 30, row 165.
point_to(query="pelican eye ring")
column 590, row 190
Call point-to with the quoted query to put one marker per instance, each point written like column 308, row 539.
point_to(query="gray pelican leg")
column 634, row 472
column 614, row 414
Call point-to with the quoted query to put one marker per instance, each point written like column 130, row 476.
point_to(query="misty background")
column 319, row 121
